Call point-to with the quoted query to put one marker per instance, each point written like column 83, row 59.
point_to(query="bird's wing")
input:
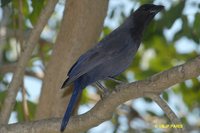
column 83, row 60
column 90, row 60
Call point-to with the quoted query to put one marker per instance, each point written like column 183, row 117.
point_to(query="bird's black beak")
column 157, row 9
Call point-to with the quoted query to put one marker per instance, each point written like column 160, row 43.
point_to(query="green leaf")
column 171, row 15
column 151, row 113
column 196, row 28
column 106, row 31
column 19, row 109
column 190, row 94
column 2, row 97
column 84, row 97
column 5, row 2
column 165, row 96
column 37, row 6
column 112, row 14
column 149, row 100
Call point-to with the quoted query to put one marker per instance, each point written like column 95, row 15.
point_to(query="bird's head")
column 141, row 17
column 145, row 13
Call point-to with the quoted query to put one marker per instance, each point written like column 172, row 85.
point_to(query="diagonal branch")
column 23, row 60
column 168, row 111
column 104, row 109
column 10, row 68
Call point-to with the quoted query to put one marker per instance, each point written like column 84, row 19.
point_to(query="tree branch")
column 18, row 75
column 12, row 67
column 168, row 111
column 104, row 109
column 21, row 23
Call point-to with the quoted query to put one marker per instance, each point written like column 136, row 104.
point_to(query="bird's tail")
column 75, row 94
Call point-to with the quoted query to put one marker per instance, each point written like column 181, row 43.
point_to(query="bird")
column 110, row 57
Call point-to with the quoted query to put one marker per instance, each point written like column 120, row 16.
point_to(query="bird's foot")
column 104, row 91
column 104, row 94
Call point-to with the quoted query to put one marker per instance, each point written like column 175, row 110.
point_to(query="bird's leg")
column 120, row 83
column 116, row 80
column 102, row 89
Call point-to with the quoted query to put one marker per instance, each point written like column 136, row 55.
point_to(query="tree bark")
column 104, row 109
column 80, row 28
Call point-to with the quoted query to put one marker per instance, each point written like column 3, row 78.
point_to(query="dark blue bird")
column 110, row 57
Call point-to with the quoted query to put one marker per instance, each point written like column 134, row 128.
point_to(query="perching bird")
column 110, row 57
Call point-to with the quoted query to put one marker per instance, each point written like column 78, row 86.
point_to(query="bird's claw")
column 104, row 94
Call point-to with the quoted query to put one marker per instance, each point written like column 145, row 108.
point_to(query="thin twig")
column 10, row 68
column 168, row 111
column 24, row 58
column 6, row 13
column 25, row 104
column 21, row 23
column 21, row 42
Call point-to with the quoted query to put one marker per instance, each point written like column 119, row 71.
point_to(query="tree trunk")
column 80, row 28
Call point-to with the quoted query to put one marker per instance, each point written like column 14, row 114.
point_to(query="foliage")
column 5, row 2
column 158, row 52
